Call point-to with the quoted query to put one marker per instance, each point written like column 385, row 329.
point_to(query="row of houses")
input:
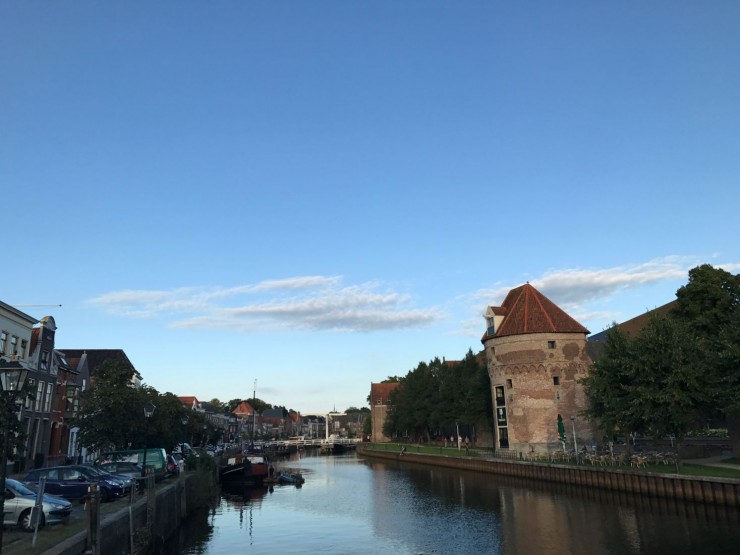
column 57, row 377
column 244, row 422
column 536, row 354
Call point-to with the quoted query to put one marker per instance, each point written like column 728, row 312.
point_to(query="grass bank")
column 687, row 469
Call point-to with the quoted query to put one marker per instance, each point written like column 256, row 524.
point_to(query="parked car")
column 173, row 467
column 126, row 481
column 19, row 500
column 74, row 481
column 180, row 460
column 156, row 459
column 123, row 468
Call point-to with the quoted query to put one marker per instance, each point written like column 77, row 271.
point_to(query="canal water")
column 352, row 505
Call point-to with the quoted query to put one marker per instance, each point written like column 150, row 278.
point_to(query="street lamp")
column 13, row 376
column 148, row 412
column 575, row 443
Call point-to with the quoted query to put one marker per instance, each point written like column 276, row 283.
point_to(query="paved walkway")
column 714, row 461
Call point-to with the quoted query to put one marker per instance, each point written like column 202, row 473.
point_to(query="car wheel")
column 25, row 522
column 104, row 495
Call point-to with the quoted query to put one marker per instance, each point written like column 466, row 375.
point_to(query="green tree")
column 668, row 393
column 111, row 413
column 651, row 384
column 438, row 396
column 710, row 304
column 608, row 384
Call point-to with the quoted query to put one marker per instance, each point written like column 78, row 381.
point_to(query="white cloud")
column 585, row 293
column 575, row 286
column 317, row 303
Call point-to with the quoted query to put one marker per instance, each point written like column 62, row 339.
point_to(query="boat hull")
column 245, row 470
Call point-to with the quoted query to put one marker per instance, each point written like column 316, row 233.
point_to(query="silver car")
column 19, row 500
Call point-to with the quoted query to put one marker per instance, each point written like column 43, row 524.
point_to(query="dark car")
column 126, row 481
column 122, row 468
column 73, row 482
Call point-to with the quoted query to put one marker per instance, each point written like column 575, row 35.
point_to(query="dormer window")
column 44, row 364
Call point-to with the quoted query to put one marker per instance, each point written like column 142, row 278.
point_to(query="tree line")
column 438, row 398
column 680, row 371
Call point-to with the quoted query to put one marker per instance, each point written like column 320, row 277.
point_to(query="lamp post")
column 575, row 443
column 148, row 412
column 13, row 376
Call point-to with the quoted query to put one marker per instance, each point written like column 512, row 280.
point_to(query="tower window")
column 550, row 344
column 508, row 384
column 556, row 380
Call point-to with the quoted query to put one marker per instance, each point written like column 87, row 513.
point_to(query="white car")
column 19, row 500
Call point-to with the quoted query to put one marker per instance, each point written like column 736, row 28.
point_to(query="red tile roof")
column 527, row 310
column 381, row 391
column 243, row 409
column 188, row 401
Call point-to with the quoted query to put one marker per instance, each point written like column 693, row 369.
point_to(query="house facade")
column 16, row 332
column 536, row 355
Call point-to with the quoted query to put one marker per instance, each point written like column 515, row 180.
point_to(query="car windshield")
column 18, row 487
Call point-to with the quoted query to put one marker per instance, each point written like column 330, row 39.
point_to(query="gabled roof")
column 96, row 358
column 190, row 402
column 526, row 310
column 243, row 409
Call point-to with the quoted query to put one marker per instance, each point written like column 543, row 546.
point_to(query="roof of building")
column 381, row 391
column 631, row 327
column 526, row 310
column 635, row 325
column 243, row 409
column 97, row 357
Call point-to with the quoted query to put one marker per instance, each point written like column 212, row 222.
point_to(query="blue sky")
column 317, row 195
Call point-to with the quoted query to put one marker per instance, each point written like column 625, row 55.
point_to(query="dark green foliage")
column 112, row 413
column 680, row 368
column 710, row 304
column 608, row 383
column 440, row 396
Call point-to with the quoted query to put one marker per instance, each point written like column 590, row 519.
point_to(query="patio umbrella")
column 561, row 431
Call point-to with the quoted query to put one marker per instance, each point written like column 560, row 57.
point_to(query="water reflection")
column 537, row 517
column 350, row 505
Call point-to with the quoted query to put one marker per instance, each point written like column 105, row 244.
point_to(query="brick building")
column 536, row 353
column 379, row 401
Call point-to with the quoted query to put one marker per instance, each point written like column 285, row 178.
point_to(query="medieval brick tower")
column 536, row 354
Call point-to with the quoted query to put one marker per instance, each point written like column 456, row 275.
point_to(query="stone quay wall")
column 720, row 491
column 172, row 505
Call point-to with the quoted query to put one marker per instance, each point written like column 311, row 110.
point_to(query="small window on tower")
column 508, row 384
column 550, row 344
column 556, row 380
